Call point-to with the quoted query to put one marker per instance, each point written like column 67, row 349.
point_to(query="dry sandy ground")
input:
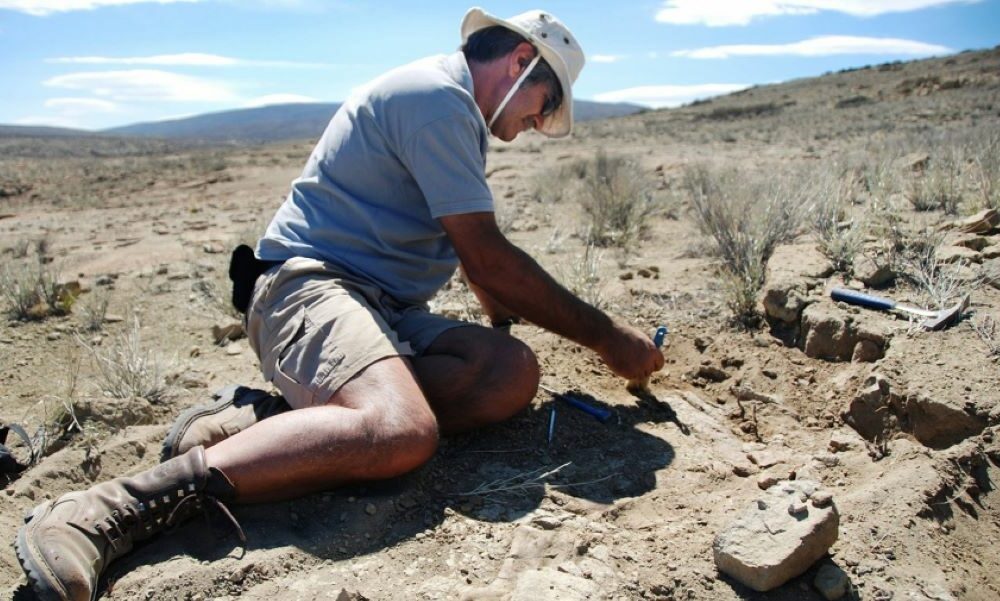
column 622, row 510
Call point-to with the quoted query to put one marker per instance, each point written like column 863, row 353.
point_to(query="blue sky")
column 94, row 64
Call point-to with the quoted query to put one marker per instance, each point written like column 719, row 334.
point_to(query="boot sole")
column 37, row 570
column 224, row 398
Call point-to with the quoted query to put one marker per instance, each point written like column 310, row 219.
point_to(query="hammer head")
column 947, row 317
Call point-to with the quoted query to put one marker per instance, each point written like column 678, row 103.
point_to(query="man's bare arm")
column 516, row 281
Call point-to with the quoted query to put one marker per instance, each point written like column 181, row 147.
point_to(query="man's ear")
column 519, row 59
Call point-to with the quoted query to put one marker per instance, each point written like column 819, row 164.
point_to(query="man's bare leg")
column 475, row 376
column 378, row 425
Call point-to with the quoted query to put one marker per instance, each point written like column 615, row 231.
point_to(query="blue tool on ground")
column 552, row 423
column 659, row 336
column 934, row 320
column 599, row 413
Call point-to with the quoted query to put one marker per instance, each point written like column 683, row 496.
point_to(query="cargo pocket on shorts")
column 307, row 362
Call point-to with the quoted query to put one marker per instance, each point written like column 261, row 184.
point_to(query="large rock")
column 878, row 411
column 869, row 411
column 836, row 335
column 873, row 273
column 778, row 536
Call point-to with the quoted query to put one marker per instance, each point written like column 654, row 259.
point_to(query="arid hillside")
column 729, row 221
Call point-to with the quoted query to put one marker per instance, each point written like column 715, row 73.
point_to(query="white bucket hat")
column 555, row 44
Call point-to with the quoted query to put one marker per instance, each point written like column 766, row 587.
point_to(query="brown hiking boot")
column 66, row 544
column 233, row 409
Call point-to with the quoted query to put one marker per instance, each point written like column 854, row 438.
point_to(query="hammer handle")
column 861, row 299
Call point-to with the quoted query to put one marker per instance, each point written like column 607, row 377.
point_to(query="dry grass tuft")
column 616, row 197
column 126, row 369
column 582, row 279
column 31, row 290
column 839, row 235
column 747, row 220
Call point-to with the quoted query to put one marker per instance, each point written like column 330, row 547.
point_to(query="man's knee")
column 406, row 437
column 512, row 378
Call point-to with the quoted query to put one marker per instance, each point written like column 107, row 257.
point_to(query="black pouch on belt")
column 244, row 269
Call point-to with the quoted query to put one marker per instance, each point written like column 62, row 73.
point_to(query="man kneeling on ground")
column 392, row 200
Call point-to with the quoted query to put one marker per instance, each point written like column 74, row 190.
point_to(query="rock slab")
column 768, row 545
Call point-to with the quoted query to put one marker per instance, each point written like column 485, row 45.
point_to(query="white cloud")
column 606, row 58
column 669, row 96
column 820, row 46
column 279, row 99
column 720, row 13
column 144, row 86
column 41, row 8
column 80, row 106
column 185, row 59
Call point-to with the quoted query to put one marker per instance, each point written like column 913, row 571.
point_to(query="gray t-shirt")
column 407, row 149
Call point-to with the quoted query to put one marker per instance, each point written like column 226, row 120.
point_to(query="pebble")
column 370, row 509
column 831, row 582
column 797, row 508
column 766, row 481
column 54, row 336
column 234, row 349
column 822, row 498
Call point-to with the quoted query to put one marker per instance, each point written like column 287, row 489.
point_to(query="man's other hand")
column 630, row 353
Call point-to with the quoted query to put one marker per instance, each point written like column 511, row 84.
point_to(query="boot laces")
column 154, row 514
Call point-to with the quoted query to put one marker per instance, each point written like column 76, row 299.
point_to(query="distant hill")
column 40, row 131
column 295, row 121
column 262, row 124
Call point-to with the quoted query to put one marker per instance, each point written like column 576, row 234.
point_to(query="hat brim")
column 560, row 122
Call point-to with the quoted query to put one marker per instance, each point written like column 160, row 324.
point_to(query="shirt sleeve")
column 446, row 161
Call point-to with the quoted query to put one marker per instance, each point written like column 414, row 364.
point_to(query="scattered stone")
column 546, row 522
column 866, row 351
column 797, row 508
column 769, row 373
column 53, row 336
column 982, row 222
column 868, row 413
column 743, row 470
column 745, row 393
column 827, row 460
column 870, row 272
column 229, row 332
column 954, row 254
column 840, row 442
column 831, row 582
column 991, row 252
column 710, row 373
column 111, row 318
column 370, row 509
column 766, row 481
column 234, row 349
column 973, row 241
column 766, row 546
column 821, row 498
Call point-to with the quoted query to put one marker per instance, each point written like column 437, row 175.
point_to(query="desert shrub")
column 125, row 368
column 31, row 291
column 747, row 219
column 554, row 186
column 939, row 187
column 94, row 310
column 616, row 198
column 581, row 277
column 941, row 284
column 986, row 160
column 839, row 235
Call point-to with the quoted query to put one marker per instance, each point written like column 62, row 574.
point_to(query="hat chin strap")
column 513, row 89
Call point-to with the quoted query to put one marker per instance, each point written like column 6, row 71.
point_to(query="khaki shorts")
column 314, row 327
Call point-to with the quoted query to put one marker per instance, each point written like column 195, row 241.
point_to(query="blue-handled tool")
column 934, row 320
column 642, row 385
column 599, row 413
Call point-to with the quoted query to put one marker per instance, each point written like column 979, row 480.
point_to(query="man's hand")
column 630, row 353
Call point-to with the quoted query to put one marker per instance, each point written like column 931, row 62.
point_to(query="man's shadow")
column 497, row 474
